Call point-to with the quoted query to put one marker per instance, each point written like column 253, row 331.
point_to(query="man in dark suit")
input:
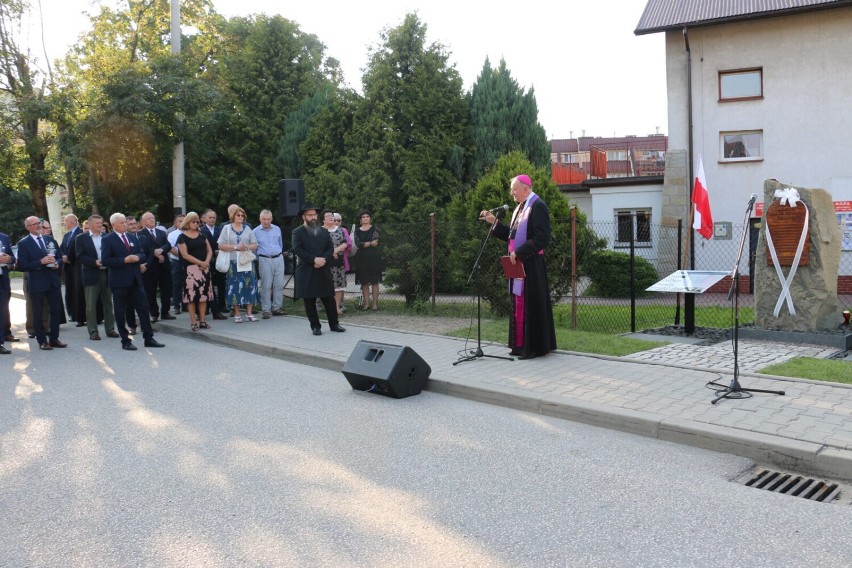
column 37, row 256
column 211, row 232
column 313, row 247
column 93, row 276
column 122, row 253
column 7, row 260
column 72, row 230
column 158, row 277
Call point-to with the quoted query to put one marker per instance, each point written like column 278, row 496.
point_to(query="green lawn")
column 817, row 369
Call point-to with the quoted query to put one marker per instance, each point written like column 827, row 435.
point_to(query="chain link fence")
column 598, row 273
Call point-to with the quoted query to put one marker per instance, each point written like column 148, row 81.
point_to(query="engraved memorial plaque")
column 785, row 224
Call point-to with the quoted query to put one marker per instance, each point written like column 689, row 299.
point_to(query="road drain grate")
column 793, row 484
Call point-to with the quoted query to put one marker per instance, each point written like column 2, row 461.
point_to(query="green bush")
column 609, row 272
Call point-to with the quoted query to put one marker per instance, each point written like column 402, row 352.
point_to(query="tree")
column 297, row 127
column 492, row 190
column 410, row 128
column 25, row 105
column 266, row 68
column 504, row 118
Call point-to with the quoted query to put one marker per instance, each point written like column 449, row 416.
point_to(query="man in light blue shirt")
column 270, row 254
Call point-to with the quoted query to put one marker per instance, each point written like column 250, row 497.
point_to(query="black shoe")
column 132, row 330
column 528, row 356
column 4, row 351
column 11, row 338
column 95, row 336
column 317, row 331
column 113, row 334
column 167, row 317
column 279, row 312
column 58, row 344
column 337, row 328
column 153, row 343
column 80, row 324
column 31, row 335
column 155, row 319
column 218, row 316
column 128, row 346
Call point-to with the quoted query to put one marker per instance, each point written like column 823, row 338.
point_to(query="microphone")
column 499, row 209
column 751, row 201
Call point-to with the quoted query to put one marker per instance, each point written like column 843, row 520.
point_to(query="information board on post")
column 689, row 281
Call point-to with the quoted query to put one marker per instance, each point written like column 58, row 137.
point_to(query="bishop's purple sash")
column 521, row 236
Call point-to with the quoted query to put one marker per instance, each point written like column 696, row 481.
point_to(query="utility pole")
column 178, row 181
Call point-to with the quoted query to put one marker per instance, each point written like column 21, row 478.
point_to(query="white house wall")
column 805, row 113
column 607, row 200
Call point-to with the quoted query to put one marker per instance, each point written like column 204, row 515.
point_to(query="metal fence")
column 428, row 267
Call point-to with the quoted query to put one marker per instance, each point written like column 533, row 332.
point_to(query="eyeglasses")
column 239, row 215
column 194, row 221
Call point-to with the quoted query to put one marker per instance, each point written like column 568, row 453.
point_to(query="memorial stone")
column 809, row 300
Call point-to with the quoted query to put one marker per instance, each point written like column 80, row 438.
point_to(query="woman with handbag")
column 197, row 283
column 238, row 243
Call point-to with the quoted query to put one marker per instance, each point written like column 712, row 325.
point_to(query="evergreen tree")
column 410, row 128
column 504, row 118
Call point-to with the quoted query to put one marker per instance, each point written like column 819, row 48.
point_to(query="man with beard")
column 313, row 248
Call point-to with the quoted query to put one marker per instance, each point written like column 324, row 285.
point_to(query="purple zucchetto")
column 524, row 179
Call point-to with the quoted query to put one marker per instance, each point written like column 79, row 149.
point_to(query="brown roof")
column 662, row 15
column 582, row 144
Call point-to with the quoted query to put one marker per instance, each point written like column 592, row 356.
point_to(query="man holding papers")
column 531, row 330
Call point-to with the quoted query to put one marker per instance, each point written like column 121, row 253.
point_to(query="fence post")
column 574, row 267
column 679, row 267
column 633, row 272
column 434, row 276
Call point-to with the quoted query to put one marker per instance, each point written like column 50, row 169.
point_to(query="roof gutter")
column 689, row 136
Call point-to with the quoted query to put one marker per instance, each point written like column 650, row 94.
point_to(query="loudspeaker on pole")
column 390, row 370
column 291, row 197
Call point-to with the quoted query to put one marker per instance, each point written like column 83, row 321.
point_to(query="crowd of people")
column 127, row 273
column 135, row 271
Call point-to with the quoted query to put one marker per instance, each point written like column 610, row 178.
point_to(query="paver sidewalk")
column 662, row 395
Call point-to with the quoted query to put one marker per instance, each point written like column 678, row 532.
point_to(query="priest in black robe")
column 531, row 329
column 313, row 249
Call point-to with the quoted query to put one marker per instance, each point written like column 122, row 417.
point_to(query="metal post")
column 574, row 267
column 434, row 256
column 633, row 220
column 178, row 174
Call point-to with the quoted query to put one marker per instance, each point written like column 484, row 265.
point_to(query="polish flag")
column 702, row 220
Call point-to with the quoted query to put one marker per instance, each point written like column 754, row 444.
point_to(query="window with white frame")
column 740, row 85
column 741, row 146
column 632, row 224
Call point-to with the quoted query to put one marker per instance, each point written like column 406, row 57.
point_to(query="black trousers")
column 158, row 279
column 132, row 297
column 53, row 297
column 330, row 311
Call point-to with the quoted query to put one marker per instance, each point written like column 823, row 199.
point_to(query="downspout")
column 689, row 149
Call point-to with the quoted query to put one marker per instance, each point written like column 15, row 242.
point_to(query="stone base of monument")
column 840, row 339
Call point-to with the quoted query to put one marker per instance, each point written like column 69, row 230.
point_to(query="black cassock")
column 539, row 330
column 312, row 282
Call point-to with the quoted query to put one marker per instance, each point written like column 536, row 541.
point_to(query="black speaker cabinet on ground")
column 389, row 370
column 291, row 197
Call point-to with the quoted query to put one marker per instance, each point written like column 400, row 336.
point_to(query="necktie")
column 126, row 242
column 41, row 244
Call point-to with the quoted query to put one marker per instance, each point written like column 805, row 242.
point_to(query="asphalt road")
column 196, row 455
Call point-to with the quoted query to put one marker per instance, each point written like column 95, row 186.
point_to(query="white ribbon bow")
column 789, row 196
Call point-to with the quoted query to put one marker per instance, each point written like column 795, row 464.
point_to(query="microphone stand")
column 734, row 390
column 474, row 273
